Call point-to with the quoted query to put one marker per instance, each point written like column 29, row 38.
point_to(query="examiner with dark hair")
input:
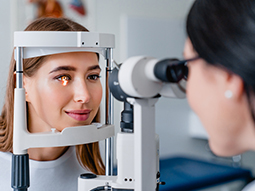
column 221, row 82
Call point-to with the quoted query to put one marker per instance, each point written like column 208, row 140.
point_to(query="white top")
column 60, row 174
column 250, row 187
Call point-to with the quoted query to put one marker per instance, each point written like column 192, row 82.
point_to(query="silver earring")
column 228, row 94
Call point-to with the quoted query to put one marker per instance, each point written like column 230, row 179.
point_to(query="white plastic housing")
column 144, row 141
column 126, row 160
column 68, row 39
column 135, row 80
column 172, row 90
column 40, row 43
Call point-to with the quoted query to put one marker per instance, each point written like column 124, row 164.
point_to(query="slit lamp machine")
column 138, row 82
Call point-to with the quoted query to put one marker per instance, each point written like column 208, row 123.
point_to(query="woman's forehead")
column 74, row 61
column 73, row 55
column 74, row 58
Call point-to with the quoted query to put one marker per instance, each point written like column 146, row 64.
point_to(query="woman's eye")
column 63, row 79
column 93, row 77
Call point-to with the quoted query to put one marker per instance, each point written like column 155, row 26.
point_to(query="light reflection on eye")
column 64, row 80
column 94, row 77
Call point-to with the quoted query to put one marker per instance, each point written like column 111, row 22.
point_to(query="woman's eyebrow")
column 71, row 68
column 95, row 67
column 66, row 68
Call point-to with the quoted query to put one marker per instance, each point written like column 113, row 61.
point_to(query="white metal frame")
column 30, row 44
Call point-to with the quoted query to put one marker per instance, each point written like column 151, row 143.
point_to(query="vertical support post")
column 19, row 67
column 20, row 158
column 109, row 145
column 20, row 172
column 145, row 168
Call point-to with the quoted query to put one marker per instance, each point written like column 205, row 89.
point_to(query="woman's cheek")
column 57, row 95
column 98, row 91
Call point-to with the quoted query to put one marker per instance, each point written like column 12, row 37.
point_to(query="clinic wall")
column 5, row 45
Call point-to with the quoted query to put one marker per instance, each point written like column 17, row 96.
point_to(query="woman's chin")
column 60, row 129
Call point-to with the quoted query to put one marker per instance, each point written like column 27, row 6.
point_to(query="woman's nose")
column 81, row 93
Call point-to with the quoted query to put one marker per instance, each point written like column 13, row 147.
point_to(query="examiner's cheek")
column 190, row 96
column 188, row 90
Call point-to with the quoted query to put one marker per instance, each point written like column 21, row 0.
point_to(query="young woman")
column 221, row 81
column 62, row 90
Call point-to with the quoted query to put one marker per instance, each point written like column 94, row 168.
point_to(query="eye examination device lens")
column 170, row 70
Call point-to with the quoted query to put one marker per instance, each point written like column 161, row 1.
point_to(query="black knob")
column 88, row 176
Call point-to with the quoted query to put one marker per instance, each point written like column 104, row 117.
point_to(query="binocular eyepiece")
column 164, row 71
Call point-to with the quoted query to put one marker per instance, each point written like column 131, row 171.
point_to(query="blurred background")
column 141, row 27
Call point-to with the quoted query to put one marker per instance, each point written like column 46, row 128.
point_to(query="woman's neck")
column 46, row 154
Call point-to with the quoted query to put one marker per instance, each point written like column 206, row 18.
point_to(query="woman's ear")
column 25, row 86
column 14, row 78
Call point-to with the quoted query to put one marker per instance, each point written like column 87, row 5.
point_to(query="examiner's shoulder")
column 250, row 187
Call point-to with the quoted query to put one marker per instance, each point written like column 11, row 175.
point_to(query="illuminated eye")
column 93, row 77
column 64, row 80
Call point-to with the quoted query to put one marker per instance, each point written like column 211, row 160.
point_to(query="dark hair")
column 87, row 154
column 222, row 32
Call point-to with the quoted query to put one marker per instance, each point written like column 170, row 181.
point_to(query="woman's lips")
column 79, row 115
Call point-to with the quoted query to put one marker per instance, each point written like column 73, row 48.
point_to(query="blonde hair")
column 87, row 154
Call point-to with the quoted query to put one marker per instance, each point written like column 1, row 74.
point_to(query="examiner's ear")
column 234, row 86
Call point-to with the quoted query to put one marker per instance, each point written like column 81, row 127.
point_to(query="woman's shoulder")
column 60, row 174
column 5, row 156
column 67, row 157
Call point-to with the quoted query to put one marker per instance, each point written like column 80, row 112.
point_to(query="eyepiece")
column 170, row 70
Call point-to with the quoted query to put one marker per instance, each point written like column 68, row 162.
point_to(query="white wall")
column 5, row 45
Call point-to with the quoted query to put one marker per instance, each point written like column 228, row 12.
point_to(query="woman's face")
column 64, row 92
column 223, row 118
